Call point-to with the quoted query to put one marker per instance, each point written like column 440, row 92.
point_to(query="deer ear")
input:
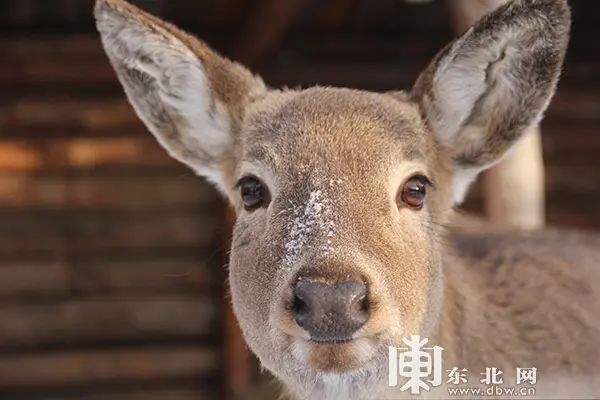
column 486, row 89
column 188, row 96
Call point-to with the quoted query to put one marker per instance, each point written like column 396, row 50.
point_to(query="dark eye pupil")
column 414, row 191
column 415, row 187
column 252, row 193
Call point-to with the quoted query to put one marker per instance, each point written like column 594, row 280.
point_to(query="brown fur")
column 333, row 161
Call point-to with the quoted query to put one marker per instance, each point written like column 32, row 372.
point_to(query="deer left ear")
column 192, row 99
column 487, row 88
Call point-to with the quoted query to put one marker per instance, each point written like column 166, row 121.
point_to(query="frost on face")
column 308, row 218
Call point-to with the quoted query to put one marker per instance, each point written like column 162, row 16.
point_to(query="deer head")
column 341, row 195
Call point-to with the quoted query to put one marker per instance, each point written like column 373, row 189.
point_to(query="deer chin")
column 334, row 356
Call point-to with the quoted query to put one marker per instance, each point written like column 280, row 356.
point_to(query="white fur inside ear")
column 457, row 85
column 202, row 119
column 474, row 85
column 466, row 76
column 171, row 94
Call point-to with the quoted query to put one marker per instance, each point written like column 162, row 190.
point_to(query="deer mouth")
column 334, row 356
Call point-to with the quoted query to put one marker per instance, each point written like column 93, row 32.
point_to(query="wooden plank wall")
column 111, row 252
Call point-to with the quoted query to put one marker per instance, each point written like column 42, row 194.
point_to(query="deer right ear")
column 188, row 96
column 487, row 88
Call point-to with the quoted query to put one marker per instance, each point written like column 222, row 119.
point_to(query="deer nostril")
column 360, row 304
column 299, row 307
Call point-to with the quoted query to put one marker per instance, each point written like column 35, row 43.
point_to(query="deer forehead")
column 321, row 135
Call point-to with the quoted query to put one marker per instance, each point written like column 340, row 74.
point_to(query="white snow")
column 309, row 218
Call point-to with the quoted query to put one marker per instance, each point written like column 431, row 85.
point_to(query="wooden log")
column 224, row 11
column 59, row 232
column 335, row 12
column 109, row 319
column 121, row 151
column 571, row 197
column 263, row 29
column 105, row 366
column 156, row 394
column 120, row 156
column 115, row 193
column 186, row 389
column 575, row 104
column 21, row 11
column 583, row 217
column 43, row 47
column 61, row 278
column 514, row 188
column 563, row 182
column 571, row 144
column 69, row 113
column 239, row 362
column 58, row 71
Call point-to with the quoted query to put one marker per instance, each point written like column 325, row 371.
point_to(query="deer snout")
column 330, row 312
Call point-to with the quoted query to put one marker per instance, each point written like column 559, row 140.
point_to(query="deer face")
column 341, row 195
column 336, row 246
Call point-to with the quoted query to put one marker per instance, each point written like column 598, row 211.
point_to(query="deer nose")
column 330, row 312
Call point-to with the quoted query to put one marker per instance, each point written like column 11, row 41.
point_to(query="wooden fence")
column 111, row 253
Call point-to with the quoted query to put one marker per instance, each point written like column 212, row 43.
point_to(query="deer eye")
column 413, row 191
column 253, row 191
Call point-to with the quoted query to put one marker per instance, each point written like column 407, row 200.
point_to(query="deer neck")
column 458, row 311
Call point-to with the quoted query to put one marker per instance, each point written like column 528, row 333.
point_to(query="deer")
column 348, row 239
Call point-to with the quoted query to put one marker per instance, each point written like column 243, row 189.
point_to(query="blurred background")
column 112, row 255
